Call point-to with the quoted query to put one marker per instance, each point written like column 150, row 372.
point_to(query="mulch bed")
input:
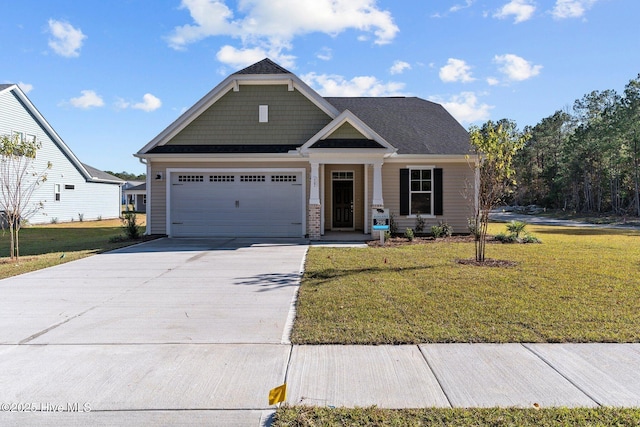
column 403, row 241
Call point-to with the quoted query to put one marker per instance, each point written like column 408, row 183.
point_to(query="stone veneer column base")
column 314, row 222
column 375, row 234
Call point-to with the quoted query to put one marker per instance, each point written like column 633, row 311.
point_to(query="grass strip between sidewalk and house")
column 313, row 416
column 579, row 285
column 43, row 246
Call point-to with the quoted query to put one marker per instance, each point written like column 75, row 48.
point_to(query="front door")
column 342, row 204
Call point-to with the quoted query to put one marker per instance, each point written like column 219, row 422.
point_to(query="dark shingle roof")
column 97, row 173
column 4, row 86
column 412, row 125
column 266, row 66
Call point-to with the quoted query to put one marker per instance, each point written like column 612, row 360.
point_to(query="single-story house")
column 73, row 190
column 263, row 154
column 136, row 195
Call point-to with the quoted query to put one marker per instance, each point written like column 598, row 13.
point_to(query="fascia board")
column 249, row 157
column 440, row 158
column 49, row 130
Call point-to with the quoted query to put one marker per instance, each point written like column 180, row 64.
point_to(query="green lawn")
column 51, row 244
column 308, row 416
column 579, row 285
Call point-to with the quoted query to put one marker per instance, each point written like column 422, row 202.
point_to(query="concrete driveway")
column 162, row 326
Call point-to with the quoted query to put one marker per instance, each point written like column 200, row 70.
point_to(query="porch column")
column 377, row 201
column 314, row 202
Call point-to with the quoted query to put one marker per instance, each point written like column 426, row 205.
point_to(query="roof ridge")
column 266, row 66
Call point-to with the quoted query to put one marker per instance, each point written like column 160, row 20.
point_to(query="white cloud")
column 271, row 26
column 26, row 87
column 88, row 99
column 456, row 70
column 240, row 58
column 492, row 81
column 66, row 40
column 325, row 54
column 571, row 8
column 458, row 7
column 522, row 10
column 465, row 107
column 516, row 68
column 334, row 85
column 149, row 103
column 399, row 67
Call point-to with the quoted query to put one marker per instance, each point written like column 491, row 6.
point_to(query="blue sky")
column 111, row 75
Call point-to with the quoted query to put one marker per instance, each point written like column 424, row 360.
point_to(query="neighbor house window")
column 56, row 191
column 69, row 187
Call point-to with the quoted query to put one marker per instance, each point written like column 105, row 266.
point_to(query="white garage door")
column 236, row 204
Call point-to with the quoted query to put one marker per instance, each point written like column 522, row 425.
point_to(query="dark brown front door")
column 342, row 204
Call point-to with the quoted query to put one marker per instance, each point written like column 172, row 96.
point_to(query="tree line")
column 585, row 159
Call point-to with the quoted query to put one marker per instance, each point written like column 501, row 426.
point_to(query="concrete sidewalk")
column 228, row 384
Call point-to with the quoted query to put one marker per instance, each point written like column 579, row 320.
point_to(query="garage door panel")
column 237, row 204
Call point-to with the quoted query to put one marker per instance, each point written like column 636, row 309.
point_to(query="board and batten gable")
column 234, row 119
column 78, row 197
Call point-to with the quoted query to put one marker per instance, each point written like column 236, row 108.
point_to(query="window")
column 190, row 178
column 252, row 178
column 283, row 178
column 263, row 113
column 221, row 178
column 69, row 187
column 342, row 176
column 421, row 191
column 56, row 191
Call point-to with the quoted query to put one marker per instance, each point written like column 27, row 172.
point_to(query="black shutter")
column 404, row 191
column 437, row 186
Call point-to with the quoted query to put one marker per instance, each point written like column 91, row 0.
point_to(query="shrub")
column 473, row 229
column 506, row 237
column 130, row 225
column 516, row 227
column 408, row 233
column 54, row 220
column 419, row 224
column 530, row 238
column 441, row 230
column 393, row 225
column 81, row 217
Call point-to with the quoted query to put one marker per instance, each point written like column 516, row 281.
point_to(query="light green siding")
column 346, row 131
column 233, row 119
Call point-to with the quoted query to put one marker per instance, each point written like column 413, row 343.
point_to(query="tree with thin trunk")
column 495, row 145
column 19, row 178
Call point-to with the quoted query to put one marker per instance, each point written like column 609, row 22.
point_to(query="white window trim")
column 431, row 215
column 263, row 114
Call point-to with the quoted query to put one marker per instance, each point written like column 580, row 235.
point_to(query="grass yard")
column 579, row 285
column 311, row 416
column 44, row 245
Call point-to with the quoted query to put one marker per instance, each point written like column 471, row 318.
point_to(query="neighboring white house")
column 73, row 190
column 136, row 195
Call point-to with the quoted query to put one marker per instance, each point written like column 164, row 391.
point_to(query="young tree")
column 495, row 146
column 19, row 178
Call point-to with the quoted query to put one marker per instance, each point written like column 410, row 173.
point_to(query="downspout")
column 148, row 194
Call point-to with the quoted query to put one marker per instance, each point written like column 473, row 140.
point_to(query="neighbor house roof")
column 89, row 173
column 101, row 175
